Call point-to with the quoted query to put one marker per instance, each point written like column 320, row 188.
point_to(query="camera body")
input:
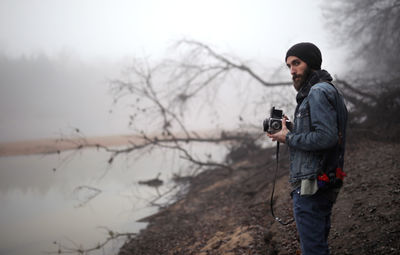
column 273, row 124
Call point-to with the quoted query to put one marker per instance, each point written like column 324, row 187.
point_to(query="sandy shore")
column 47, row 146
column 57, row 145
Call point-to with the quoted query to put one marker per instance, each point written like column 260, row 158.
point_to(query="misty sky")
column 56, row 56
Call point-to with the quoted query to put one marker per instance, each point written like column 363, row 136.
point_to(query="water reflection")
column 76, row 203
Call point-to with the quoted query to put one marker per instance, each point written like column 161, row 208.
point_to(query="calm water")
column 45, row 202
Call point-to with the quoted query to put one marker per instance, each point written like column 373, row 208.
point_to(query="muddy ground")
column 228, row 212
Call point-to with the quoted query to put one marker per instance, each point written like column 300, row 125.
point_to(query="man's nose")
column 293, row 70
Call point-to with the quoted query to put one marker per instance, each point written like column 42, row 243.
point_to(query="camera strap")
column 273, row 190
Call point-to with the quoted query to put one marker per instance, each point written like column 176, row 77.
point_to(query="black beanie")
column 307, row 52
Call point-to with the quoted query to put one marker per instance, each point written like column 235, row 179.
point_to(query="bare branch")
column 229, row 64
column 78, row 249
column 353, row 89
column 88, row 192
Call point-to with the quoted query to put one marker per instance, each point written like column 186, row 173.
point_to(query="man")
column 316, row 144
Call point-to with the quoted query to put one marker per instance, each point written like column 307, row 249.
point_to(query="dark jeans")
column 313, row 219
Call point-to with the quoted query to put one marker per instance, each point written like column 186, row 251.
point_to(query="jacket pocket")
column 303, row 120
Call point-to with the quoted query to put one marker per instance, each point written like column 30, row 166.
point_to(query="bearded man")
column 316, row 143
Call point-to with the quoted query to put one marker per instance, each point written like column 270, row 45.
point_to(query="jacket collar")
column 314, row 78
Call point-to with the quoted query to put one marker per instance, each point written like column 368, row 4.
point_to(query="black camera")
column 274, row 123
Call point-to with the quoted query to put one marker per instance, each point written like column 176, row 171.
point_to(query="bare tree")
column 370, row 29
column 163, row 95
column 163, row 98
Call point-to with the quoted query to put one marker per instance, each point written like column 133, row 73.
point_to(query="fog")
column 56, row 57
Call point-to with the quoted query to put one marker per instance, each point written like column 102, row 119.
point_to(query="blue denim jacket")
column 315, row 131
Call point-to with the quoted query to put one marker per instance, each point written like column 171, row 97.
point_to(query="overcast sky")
column 57, row 55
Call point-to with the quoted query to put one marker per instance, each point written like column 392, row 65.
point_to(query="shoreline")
column 229, row 213
column 57, row 145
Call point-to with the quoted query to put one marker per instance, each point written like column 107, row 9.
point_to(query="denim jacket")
column 315, row 130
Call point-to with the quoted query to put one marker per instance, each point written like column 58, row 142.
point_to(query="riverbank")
column 228, row 213
column 58, row 145
column 79, row 141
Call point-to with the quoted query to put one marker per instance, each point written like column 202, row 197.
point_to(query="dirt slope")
column 228, row 213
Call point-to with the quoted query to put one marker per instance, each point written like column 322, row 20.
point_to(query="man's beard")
column 300, row 79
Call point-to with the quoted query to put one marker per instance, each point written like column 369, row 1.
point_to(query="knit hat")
column 307, row 52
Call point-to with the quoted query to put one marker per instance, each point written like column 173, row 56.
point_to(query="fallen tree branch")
column 62, row 249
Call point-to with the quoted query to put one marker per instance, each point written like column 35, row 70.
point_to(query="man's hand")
column 281, row 135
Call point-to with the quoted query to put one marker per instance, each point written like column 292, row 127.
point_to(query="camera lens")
column 265, row 125
column 276, row 125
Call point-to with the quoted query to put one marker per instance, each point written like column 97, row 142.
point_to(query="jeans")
column 313, row 219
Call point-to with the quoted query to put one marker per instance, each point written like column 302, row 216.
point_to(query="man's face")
column 299, row 71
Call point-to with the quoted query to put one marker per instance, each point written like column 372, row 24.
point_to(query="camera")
column 274, row 123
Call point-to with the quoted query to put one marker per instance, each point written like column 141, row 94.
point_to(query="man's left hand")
column 281, row 135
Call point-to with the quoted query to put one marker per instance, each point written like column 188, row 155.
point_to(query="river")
column 71, row 200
